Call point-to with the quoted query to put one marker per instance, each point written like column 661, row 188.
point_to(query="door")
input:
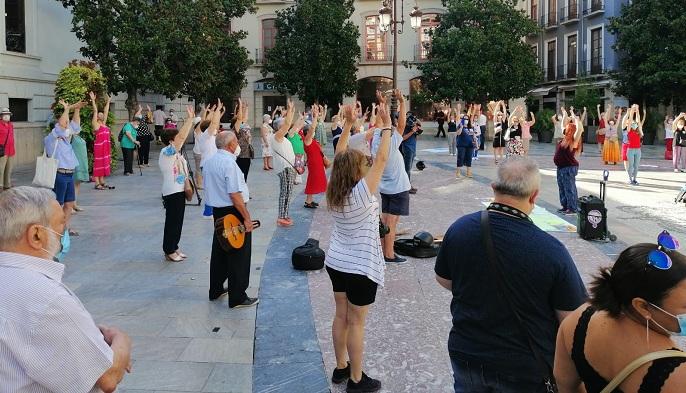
column 271, row 102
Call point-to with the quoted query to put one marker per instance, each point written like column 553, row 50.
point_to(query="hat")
column 5, row 111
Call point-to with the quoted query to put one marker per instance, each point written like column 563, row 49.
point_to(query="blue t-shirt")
column 411, row 142
column 539, row 272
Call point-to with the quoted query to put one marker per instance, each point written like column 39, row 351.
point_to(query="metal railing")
column 570, row 13
column 421, row 52
column 378, row 53
column 549, row 20
column 591, row 6
column 15, row 41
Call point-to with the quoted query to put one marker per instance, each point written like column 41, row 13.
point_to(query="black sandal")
column 100, row 187
column 310, row 205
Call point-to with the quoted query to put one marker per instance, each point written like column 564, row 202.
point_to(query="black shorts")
column 396, row 204
column 359, row 289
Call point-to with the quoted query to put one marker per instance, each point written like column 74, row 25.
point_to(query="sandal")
column 100, row 187
column 182, row 255
column 173, row 257
column 73, row 233
column 310, row 205
column 77, row 208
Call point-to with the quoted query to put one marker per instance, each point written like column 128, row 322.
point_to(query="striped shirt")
column 48, row 341
column 355, row 245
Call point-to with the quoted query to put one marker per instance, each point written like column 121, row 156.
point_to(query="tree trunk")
column 131, row 102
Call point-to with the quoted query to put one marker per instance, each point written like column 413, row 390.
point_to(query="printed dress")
column 515, row 146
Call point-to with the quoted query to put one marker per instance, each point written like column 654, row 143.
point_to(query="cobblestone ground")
column 406, row 341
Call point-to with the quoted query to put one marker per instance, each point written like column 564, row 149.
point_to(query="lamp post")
column 388, row 20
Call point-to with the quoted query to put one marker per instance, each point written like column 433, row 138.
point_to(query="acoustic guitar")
column 231, row 231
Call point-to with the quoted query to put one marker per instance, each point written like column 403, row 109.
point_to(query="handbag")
column 299, row 169
column 188, row 189
column 46, row 169
column 251, row 151
column 631, row 367
column 2, row 147
column 546, row 368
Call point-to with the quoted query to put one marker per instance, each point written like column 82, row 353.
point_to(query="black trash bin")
column 592, row 218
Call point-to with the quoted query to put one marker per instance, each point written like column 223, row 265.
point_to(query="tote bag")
column 46, row 169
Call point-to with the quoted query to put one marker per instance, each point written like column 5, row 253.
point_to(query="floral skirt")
column 515, row 147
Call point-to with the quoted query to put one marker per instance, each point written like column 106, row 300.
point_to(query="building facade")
column 573, row 47
column 375, row 66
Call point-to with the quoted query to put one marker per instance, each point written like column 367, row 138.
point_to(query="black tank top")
column 656, row 376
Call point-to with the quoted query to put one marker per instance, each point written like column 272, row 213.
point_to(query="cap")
column 5, row 111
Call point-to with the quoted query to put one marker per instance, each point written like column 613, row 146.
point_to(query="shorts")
column 625, row 148
column 396, row 204
column 359, row 289
column 64, row 188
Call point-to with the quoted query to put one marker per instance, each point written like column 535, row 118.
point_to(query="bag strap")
column 284, row 158
column 487, row 241
column 631, row 367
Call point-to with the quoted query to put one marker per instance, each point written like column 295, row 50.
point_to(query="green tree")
column 170, row 47
column 651, row 41
column 316, row 51
column 586, row 96
column 477, row 52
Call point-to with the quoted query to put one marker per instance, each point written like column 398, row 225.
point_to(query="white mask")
column 6, row 118
column 237, row 152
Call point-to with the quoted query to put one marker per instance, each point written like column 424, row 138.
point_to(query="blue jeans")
column 464, row 156
column 566, row 184
column 408, row 157
column 476, row 378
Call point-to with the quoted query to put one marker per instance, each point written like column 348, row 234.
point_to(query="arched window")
column 429, row 23
column 375, row 48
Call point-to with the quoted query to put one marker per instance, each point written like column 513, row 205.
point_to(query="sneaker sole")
column 245, row 305
column 370, row 390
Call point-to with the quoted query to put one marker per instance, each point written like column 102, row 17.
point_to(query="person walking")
column 679, row 156
column 634, row 136
column 568, row 167
column 174, row 170
column 354, row 260
column 7, row 148
column 634, row 308
column 439, row 115
column 228, row 194
column 284, row 164
column 266, row 133
column 452, row 131
column 669, row 137
column 129, row 142
column 101, row 144
column 465, row 146
column 533, row 285
column 159, row 117
column 316, row 162
column 144, row 137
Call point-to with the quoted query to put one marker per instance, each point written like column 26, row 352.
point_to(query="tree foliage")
column 170, row 47
column 586, row 96
column 477, row 52
column 651, row 41
column 316, row 51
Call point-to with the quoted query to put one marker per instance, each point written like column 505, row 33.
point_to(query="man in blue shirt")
column 488, row 348
column 227, row 193
column 58, row 146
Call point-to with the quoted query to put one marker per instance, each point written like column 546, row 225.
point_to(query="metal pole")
column 394, row 103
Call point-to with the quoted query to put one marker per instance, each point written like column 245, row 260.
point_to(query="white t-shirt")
column 669, row 134
column 174, row 170
column 482, row 120
column 394, row 179
column 159, row 117
column 208, row 145
column 355, row 246
column 284, row 157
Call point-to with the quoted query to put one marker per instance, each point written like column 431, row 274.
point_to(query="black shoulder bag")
column 487, row 240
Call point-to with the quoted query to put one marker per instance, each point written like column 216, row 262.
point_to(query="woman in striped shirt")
column 355, row 260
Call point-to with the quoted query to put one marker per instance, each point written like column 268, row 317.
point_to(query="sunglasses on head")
column 659, row 258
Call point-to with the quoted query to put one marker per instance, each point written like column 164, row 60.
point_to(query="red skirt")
column 316, row 173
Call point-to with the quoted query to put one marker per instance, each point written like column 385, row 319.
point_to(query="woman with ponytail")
column 635, row 306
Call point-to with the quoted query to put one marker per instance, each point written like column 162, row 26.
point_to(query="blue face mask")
column 634, row 125
column 65, row 244
column 681, row 319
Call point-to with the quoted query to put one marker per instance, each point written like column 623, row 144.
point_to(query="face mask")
column 237, row 152
column 6, row 118
column 65, row 245
column 681, row 319
column 634, row 125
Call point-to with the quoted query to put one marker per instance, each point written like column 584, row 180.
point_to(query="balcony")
column 549, row 21
column 567, row 71
column 382, row 53
column 421, row 52
column 593, row 7
column 549, row 74
column 595, row 66
column 570, row 14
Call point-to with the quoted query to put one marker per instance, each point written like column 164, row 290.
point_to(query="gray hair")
column 21, row 207
column 266, row 118
column 224, row 138
column 518, row 177
column 278, row 123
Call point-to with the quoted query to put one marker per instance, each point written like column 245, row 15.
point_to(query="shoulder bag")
column 188, row 189
column 46, row 168
column 545, row 367
column 299, row 169
column 631, row 367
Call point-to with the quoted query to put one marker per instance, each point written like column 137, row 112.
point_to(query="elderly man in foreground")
column 48, row 341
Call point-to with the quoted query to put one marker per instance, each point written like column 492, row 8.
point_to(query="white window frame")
column 545, row 53
column 566, row 54
column 600, row 26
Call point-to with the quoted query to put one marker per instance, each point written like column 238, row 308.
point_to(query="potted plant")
column 544, row 126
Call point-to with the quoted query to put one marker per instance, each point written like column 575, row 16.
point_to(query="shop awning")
column 541, row 91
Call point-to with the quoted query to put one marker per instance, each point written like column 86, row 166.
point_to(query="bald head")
column 518, row 177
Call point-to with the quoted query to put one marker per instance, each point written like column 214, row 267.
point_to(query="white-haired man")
column 48, row 341
column 530, row 275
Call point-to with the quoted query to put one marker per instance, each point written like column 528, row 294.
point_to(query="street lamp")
column 388, row 20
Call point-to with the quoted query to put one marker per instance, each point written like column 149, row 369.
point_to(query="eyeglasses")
column 659, row 258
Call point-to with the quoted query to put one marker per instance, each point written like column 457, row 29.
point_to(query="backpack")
column 420, row 246
column 308, row 256
column 121, row 133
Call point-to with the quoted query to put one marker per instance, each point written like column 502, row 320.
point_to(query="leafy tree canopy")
column 316, row 51
column 170, row 47
column 477, row 52
column 651, row 40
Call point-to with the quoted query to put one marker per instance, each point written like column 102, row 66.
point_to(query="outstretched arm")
column 349, row 113
column 106, row 109
column 402, row 116
column 315, row 118
column 94, row 120
column 185, row 129
column 64, row 118
column 373, row 177
column 240, row 110
column 216, row 117
column 533, row 119
column 287, row 122
column 76, row 117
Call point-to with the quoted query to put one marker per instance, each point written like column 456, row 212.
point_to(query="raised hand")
column 399, row 96
column 92, row 96
column 380, row 98
column 64, row 104
column 385, row 116
column 147, row 107
column 190, row 111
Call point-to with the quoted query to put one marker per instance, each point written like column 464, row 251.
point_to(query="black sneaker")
column 561, row 210
column 248, row 302
column 215, row 296
column 366, row 385
column 341, row 374
column 395, row 259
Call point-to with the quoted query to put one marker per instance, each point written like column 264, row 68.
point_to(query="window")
column 20, row 109
column 429, row 24
column 268, row 36
column 550, row 60
column 572, row 9
column 534, row 52
column 552, row 12
column 597, row 51
column 375, row 47
column 15, row 28
column 571, row 56
column 534, row 9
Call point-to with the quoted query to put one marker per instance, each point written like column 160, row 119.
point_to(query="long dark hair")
column 346, row 172
column 631, row 277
